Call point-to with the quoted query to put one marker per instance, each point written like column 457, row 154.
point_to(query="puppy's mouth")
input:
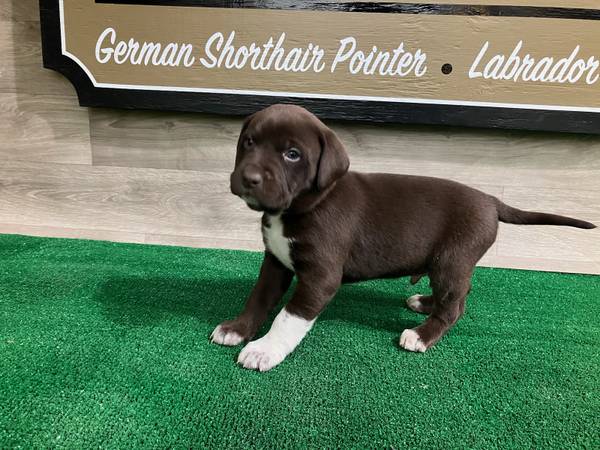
column 256, row 205
column 252, row 203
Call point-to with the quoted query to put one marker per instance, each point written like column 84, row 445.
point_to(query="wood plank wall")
column 162, row 178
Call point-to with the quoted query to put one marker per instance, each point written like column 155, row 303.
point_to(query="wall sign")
column 531, row 64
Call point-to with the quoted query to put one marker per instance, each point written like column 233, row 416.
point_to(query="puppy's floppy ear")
column 333, row 162
column 245, row 124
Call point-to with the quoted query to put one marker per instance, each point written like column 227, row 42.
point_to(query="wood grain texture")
column 482, row 157
column 71, row 233
column 543, row 264
column 253, row 243
column 478, row 157
column 43, row 128
column 21, row 63
column 291, row 4
column 19, row 10
column 514, row 8
column 147, row 201
column 167, row 140
column 372, row 110
column 554, row 243
column 40, row 119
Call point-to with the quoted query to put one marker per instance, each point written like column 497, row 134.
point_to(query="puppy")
column 329, row 226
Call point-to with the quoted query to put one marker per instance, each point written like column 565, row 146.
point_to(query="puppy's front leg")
column 312, row 294
column 273, row 282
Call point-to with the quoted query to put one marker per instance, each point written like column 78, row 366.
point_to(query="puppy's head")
column 284, row 151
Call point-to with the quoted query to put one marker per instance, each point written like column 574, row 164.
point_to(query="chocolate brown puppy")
column 327, row 226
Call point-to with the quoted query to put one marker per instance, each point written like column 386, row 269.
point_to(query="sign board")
column 530, row 64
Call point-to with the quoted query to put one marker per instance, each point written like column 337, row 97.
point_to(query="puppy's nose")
column 251, row 177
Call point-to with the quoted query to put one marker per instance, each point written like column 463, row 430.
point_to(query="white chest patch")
column 277, row 243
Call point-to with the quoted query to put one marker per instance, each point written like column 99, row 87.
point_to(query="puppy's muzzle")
column 247, row 183
column 246, row 180
column 251, row 177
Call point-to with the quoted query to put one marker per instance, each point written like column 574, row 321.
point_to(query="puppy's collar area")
column 275, row 240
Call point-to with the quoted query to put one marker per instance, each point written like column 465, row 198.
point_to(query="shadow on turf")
column 135, row 302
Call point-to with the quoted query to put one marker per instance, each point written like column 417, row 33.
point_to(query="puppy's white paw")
column 262, row 354
column 411, row 341
column 222, row 337
column 414, row 303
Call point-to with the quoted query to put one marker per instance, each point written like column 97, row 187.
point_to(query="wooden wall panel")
column 148, row 201
column 43, row 128
column 21, row 63
column 553, row 243
column 72, row 233
column 163, row 140
column 478, row 156
column 483, row 157
column 40, row 119
column 19, row 10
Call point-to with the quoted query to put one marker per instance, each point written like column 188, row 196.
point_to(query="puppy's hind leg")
column 416, row 278
column 420, row 303
column 450, row 289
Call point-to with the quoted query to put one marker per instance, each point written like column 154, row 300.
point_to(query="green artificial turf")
column 106, row 345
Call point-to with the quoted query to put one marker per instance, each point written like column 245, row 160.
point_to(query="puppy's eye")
column 248, row 142
column 292, row 155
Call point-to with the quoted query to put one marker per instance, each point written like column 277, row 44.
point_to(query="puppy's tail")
column 508, row 214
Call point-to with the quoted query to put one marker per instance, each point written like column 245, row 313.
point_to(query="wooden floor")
column 162, row 178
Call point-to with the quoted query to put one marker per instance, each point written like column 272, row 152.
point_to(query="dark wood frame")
column 372, row 111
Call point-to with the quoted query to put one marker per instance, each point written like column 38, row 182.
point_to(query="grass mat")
column 106, row 345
